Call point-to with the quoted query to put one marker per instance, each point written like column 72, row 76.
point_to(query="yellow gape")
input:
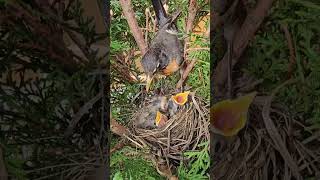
column 161, row 119
column 158, row 118
column 181, row 98
column 228, row 117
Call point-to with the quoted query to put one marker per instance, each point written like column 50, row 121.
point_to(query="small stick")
column 82, row 111
column 292, row 59
column 3, row 171
column 186, row 73
column 117, row 128
column 241, row 39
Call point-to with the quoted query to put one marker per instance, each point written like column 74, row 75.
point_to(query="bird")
column 228, row 117
column 161, row 119
column 152, row 115
column 177, row 101
column 165, row 54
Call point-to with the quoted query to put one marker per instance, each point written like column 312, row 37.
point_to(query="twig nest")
column 182, row 131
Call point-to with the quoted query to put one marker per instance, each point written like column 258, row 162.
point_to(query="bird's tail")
column 160, row 12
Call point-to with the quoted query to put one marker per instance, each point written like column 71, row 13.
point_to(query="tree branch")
column 3, row 171
column 186, row 73
column 133, row 24
column 82, row 111
column 292, row 60
column 193, row 7
column 117, row 128
column 241, row 40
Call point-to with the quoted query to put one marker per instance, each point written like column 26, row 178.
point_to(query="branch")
column 117, row 128
column 193, row 7
column 133, row 24
column 292, row 60
column 82, row 111
column 52, row 37
column 279, row 143
column 241, row 40
column 123, row 70
column 3, row 171
column 186, row 73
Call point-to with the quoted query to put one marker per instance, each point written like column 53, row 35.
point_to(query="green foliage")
column 121, row 101
column 199, row 78
column 270, row 56
column 37, row 108
column 198, row 165
column 14, row 163
column 135, row 167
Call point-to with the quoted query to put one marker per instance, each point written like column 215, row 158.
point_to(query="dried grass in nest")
column 272, row 147
column 182, row 132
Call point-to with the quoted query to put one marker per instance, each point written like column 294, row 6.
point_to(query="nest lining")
column 182, row 132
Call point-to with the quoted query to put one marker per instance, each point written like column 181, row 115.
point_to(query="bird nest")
column 182, row 132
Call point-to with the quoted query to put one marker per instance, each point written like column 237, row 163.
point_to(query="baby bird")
column 177, row 101
column 152, row 115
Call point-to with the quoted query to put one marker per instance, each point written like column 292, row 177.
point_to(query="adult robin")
column 165, row 55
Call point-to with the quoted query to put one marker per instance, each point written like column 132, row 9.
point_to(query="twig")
column 274, row 134
column 292, row 59
column 191, row 16
column 82, row 111
column 133, row 24
column 117, row 128
column 241, row 40
column 186, row 73
column 61, row 165
column 147, row 12
column 56, row 49
column 118, row 146
column 315, row 136
column 197, row 49
column 3, row 171
column 123, row 69
column 77, row 42
column 193, row 7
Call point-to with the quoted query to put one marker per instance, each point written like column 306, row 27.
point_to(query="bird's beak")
column 161, row 119
column 181, row 98
column 149, row 80
column 228, row 117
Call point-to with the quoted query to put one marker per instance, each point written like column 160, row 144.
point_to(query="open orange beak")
column 161, row 119
column 181, row 98
column 228, row 117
